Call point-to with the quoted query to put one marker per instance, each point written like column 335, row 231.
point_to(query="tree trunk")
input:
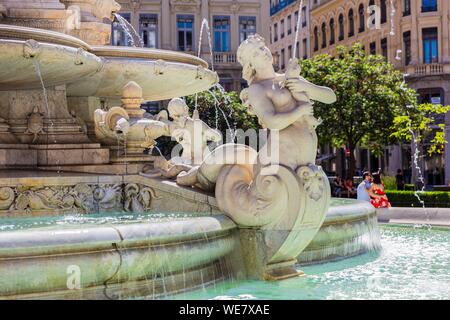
column 352, row 162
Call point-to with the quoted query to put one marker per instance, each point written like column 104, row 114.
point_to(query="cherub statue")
column 193, row 135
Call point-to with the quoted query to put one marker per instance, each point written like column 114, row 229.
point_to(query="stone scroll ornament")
column 277, row 196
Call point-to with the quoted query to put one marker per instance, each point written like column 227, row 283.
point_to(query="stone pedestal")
column 37, row 130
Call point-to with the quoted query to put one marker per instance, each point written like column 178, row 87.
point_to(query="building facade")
column 284, row 15
column 176, row 25
column 412, row 34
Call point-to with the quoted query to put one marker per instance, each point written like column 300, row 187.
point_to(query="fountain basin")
column 161, row 74
column 350, row 229
column 37, row 262
column 59, row 64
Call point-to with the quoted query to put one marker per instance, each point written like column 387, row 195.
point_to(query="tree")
column 222, row 110
column 370, row 95
column 420, row 125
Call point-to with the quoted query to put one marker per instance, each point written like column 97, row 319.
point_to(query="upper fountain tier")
column 83, row 19
column 99, row 71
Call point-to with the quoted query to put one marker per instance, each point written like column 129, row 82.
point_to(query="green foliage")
column 437, row 199
column 390, row 183
column 234, row 112
column 420, row 119
column 369, row 98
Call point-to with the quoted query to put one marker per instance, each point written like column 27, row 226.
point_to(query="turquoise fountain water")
column 413, row 264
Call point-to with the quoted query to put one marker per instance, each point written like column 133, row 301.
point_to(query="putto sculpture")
column 278, row 193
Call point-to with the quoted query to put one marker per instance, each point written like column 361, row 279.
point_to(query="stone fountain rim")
column 53, row 37
column 148, row 53
column 41, row 35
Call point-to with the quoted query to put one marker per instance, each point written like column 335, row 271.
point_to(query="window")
column 430, row 45
column 304, row 17
column 316, row 39
column 295, row 20
column 271, row 35
column 297, row 50
column 221, row 33
column 289, row 24
column 362, row 20
column 341, row 27
column 383, row 11
column 275, row 32
column 305, row 48
column 351, row 23
column 324, row 35
column 429, row 5
column 432, row 95
column 332, row 31
column 118, row 36
column 282, row 29
column 289, row 51
column 406, row 8
column 282, row 58
column 373, row 48
column 247, row 27
column 185, row 30
column 407, row 47
column 384, row 48
column 148, row 28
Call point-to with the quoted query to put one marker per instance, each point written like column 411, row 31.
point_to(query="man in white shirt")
column 364, row 187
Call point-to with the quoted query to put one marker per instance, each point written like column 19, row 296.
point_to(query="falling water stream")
column 297, row 31
column 133, row 37
column 37, row 69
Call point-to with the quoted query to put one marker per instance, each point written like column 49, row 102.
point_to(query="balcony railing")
column 224, row 58
column 426, row 69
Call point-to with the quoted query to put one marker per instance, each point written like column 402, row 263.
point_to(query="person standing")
column 400, row 180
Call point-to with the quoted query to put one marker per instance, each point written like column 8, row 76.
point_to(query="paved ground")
column 431, row 216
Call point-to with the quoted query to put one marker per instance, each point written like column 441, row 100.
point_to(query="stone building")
column 284, row 16
column 412, row 34
column 176, row 24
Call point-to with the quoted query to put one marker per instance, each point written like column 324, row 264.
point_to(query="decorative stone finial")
column 132, row 99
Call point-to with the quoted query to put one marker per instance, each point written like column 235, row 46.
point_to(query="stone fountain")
column 72, row 141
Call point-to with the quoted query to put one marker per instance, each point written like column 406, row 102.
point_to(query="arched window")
column 351, row 23
column 316, row 39
column 341, row 27
column 324, row 35
column 332, row 31
column 362, row 19
column 383, row 11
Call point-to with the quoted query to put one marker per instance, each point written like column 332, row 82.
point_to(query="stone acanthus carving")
column 105, row 8
column 83, row 198
column 94, row 9
column 7, row 197
column 107, row 197
column 138, row 198
column 282, row 194
column 35, row 123
column 78, row 198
